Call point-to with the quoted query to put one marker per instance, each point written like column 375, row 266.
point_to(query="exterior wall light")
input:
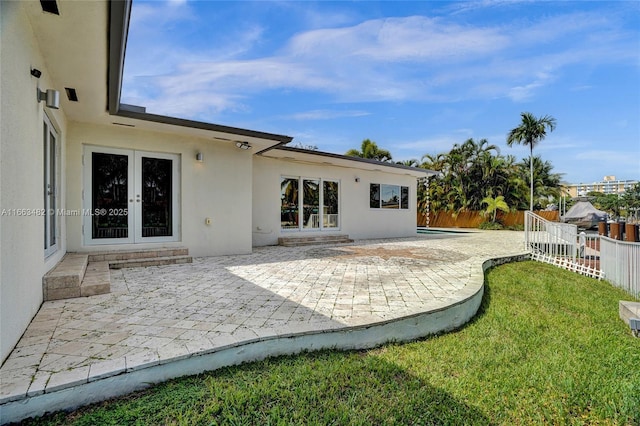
column 243, row 145
column 200, row 157
column 51, row 98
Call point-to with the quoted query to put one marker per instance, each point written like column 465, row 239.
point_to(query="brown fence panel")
column 472, row 219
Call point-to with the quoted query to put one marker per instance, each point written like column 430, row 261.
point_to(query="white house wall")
column 357, row 219
column 22, row 260
column 218, row 188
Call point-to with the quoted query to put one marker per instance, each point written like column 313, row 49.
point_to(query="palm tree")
column 370, row 150
column 495, row 204
column 411, row 163
column 530, row 132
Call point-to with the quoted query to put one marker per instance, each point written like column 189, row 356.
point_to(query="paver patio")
column 163, row 315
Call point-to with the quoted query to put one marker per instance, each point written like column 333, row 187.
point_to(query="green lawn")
column 546, row 348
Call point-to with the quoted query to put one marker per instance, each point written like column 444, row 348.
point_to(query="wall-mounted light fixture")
column 357, row 179
column 200, row 157
column 243, row 145
column 51, row 98
column 36, row 72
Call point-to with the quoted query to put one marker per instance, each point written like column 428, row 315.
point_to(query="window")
column 308, row 203
column 388, row 196
column 50, row 187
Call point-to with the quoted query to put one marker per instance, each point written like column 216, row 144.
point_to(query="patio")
column 167, row 321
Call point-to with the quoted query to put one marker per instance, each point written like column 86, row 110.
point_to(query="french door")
column 130, row 196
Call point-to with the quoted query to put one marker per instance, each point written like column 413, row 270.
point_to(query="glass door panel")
column 110, row 180
column 157, row 179
column 311, row 204
column 289, row 203
column 157, row 191
column 329, row 204
column 50, row 188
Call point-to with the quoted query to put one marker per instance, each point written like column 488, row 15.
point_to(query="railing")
column 550, row 238
column 329, row 221
column 596, row 256
column 559, row 244
column 620, row 263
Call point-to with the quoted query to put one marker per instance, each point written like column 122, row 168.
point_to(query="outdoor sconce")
column 200, row 157
column 51, row 98
column 243, row 145
column 357, row 179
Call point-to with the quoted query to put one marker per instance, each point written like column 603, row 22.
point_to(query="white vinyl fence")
column 620, row 264
column 600, row 257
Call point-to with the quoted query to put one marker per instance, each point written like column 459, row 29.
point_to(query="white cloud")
column 522, row 93
column 321, row 114
column 398, row 59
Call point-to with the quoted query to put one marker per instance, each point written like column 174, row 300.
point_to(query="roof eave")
column 368, row 161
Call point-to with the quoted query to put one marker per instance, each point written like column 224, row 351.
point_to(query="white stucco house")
column 94, row 174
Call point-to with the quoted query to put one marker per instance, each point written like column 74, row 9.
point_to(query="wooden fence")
column 474, row 219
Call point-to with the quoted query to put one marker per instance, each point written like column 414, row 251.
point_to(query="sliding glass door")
column 309, row 204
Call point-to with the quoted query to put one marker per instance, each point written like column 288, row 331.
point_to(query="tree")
column 370, row 150
column 530, row 132
column 546, row 185
column 631, row 201
column 411, row 163
column 495, row 204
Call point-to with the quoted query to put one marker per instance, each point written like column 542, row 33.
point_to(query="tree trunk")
column 531, row 178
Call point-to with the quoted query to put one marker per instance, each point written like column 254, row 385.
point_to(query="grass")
column 546, row 348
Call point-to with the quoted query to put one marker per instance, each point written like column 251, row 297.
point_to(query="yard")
column 546, row 347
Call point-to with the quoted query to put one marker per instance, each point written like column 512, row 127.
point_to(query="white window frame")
column 400, row 187
column 321, row 226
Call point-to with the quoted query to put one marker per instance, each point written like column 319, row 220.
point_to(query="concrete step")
column 64, row 280
column 87, row 274
column 117, row 255
column 151, row 261
column 313, row 240
column 97, row 279
column 628, row 310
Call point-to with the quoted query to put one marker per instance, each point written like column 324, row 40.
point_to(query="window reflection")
column 330, row 204
column 289, row 203
column 390, row 196
column 317, row 207
column 311, row 203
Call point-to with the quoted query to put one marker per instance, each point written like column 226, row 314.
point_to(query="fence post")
column 631, row 233
column 614, row 230
column 602, row 228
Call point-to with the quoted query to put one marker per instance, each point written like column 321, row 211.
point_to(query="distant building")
column 608, row 185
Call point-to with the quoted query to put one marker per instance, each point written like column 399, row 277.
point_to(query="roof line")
column 119, row 16
column 128, row 113
column 349, row 158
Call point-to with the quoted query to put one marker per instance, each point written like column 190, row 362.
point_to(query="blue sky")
column 415, row 77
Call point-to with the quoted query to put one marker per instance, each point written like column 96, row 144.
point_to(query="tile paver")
column 165, row 313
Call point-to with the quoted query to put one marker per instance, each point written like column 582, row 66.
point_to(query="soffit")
column 74, row 47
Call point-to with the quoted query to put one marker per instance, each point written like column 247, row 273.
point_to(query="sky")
column 415, row 77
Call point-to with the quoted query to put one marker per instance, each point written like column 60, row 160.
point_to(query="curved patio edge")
column 120, row 382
